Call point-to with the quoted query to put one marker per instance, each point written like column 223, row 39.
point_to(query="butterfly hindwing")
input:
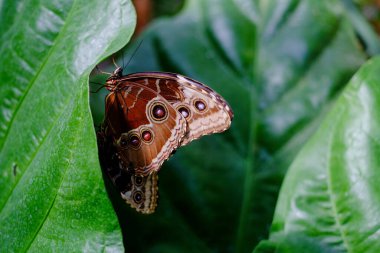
column 140, row 192
column 143, row 194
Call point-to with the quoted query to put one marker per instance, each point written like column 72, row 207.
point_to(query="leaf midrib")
column 75, row 141
column 329, row 180
column 247, row 186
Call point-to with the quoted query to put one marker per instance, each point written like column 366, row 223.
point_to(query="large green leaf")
column 330, row 199
column 52, row 197
column 280, row 64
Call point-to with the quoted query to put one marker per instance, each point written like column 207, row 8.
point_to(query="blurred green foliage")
column 166, row 7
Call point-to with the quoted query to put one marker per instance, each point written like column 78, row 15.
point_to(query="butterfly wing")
column 205, row 111
column 144, row 127
column 149, row 115
column 140, row 192
column 143, row 194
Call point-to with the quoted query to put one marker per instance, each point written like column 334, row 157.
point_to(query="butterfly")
column 148, row 115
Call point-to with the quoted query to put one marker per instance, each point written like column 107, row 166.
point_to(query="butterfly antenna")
column 123, row 59
column 114, row 63
column 97, row 90
column 101, row 71
column 92, row 82
column 134, row 52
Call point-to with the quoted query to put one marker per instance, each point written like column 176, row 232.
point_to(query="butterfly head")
column 112, row 79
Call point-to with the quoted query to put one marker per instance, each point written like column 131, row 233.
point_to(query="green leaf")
column 331, row 193
column 52, row 197
column 280, row 64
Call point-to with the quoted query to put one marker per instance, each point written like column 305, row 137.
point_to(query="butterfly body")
column 148, row 116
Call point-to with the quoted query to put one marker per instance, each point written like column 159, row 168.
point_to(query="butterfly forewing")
column 144, row 127
column 205, row 111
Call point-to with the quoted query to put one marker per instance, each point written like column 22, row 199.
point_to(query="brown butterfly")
column 150, row 114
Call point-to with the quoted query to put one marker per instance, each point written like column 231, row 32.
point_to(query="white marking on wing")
column 137, row 96
column 182, row 79
column 158, row 85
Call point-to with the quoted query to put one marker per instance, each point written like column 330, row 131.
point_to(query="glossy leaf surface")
column 52, row 196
